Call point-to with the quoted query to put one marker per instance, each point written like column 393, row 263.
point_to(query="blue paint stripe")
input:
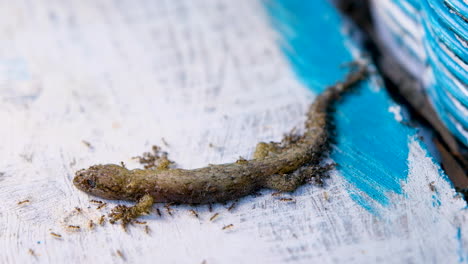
column 459, row 6
column 462, row 254
column 435, row 28
column 398, row 31
column 450, row 106
column 411, row 13
column 450, row 64
column 443, row 114
column 444, row 29
column 452, row 21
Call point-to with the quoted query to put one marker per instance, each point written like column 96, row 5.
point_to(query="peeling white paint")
column 396, row 111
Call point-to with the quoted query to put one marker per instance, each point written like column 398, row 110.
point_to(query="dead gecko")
column 280, row 166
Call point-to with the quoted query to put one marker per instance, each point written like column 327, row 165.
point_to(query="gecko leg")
column 290, row 182
column 128, row 214
column 285, row 182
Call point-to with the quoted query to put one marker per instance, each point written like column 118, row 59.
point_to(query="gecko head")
column 105, row 181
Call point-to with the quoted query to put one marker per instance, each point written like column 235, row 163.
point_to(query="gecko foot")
column 128, row 214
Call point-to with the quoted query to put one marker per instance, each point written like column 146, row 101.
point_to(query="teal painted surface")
column 371, row 146
column 445, row 32
column 310, row 40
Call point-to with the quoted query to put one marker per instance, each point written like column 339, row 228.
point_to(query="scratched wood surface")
column 208, row 78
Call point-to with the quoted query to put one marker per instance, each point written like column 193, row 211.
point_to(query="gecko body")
column 280, row 166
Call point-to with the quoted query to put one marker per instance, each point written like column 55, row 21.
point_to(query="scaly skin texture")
column 281, row 166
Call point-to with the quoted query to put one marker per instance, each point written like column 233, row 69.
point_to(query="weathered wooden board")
column 211, row 77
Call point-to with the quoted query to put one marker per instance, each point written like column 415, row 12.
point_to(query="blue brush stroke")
column 444, row 34
column 362, row 201
column 312, row 42
column 371, row 146
column 461, row 251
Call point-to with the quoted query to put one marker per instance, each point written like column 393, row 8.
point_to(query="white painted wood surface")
column 122, row 75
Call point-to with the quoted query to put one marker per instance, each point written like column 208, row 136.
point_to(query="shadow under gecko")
column 281, row 166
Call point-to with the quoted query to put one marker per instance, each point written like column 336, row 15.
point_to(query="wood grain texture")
column 122, row 75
